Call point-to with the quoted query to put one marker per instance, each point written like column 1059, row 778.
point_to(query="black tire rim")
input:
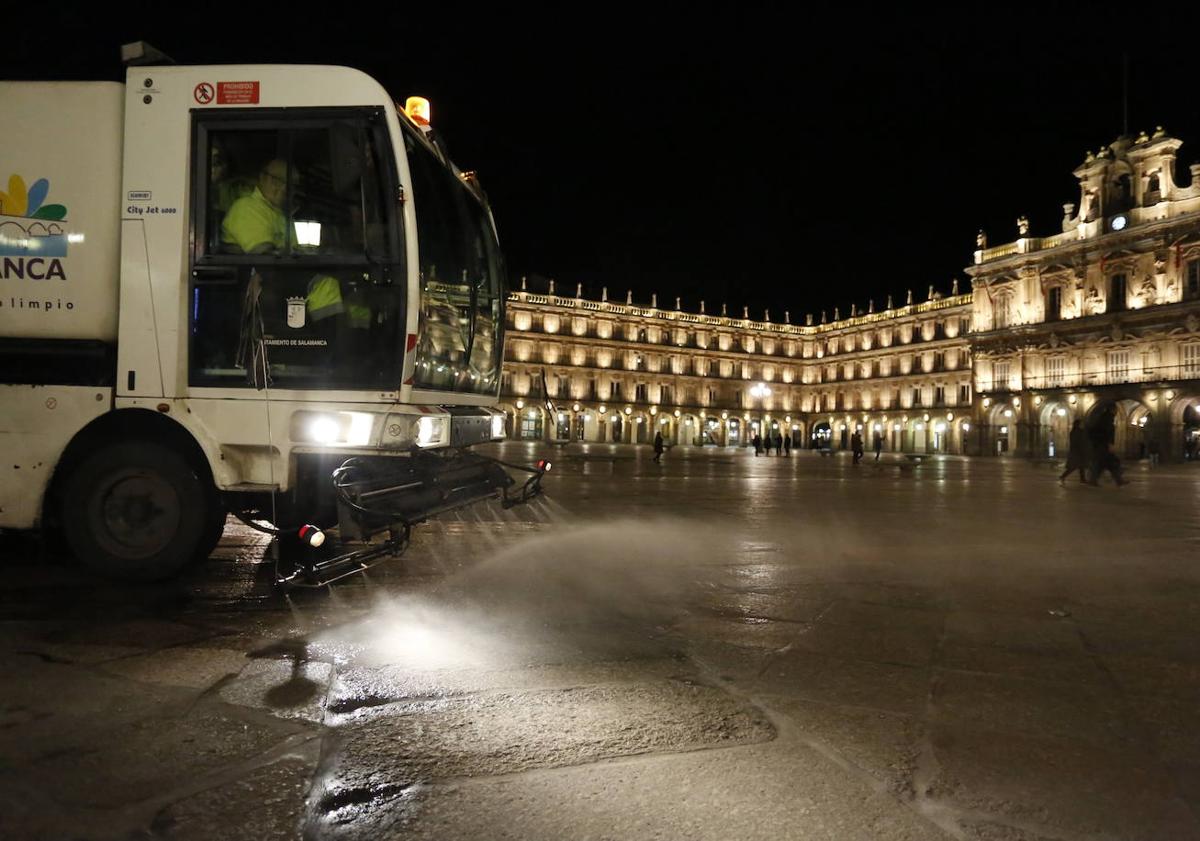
column 136, row 513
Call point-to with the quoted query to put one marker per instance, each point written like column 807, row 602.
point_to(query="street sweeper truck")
column 263, row 290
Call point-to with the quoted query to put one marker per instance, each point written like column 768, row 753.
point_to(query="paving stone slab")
column 1153, row 674
column 1067, row 786
column 832, row 680
column 1172, row 726
column 137, row 633
column 1013, row 705
column 358, row 687
column 760, row 793
column 780, row 605
column 990, row 659
column 760, row 634
column 884, row 745
column 989, row 831
column 1043, row 634
column 722, row 661
column 195, row 668
column 874, row 615
column 125, row 761
column 267, row 803
column 285, row 688
column 899, row 645
column 392, row 749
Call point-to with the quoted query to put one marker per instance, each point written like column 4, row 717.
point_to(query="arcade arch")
column 1132, row 425
column 1054, row 429
column 1002, row 424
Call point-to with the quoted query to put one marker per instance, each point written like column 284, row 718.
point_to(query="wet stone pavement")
column 718, row 647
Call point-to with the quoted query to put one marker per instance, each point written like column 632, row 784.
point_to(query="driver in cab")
column 256, row 224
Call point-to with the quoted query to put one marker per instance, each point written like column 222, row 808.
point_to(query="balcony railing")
column 1161, row 373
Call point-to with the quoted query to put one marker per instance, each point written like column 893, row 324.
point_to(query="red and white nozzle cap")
column 311, row 535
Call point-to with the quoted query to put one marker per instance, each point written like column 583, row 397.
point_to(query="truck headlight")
column 431, row 431
column 350, row 429
column 323, row 429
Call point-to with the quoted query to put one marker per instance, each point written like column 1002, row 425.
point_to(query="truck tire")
column 135, row 511
column 214, row 527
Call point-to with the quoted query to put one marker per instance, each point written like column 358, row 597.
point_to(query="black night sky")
column 795, row 158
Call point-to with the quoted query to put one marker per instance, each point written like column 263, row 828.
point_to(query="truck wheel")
column 135, row 511
column 214, row 527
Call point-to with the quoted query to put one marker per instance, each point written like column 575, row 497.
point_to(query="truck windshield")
column 461, row 280
column 295, row 282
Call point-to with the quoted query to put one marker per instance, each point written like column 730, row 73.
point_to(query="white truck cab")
column 218, row 283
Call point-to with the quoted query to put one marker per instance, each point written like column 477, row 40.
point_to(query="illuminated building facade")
column 620, row 372
column 1104, row 314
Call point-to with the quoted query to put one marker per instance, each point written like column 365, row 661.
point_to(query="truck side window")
column 461, row 279
column 292, row 275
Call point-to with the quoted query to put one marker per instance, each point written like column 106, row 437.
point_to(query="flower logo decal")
column 30, row 203
column 28, row 226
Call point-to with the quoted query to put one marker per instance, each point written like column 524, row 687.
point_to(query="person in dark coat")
column 1102, row 436
column 787, row 444
column 878, row 445
column 856, row 446
column 658, row 447
column 1077, row 454
column 757, row 439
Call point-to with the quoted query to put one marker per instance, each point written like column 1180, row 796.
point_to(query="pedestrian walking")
column 1077, row 455
column 658, row 447
column 856, row 446
column 757, row 440
column 787, row 444
column 878, row 445
column 778, row 444
column 1102, row 436
column 1152, row 450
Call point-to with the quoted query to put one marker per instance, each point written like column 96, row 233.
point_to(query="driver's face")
column 272, row 182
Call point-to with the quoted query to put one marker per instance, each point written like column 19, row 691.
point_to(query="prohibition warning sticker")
column 237, row 93
column 203, row 93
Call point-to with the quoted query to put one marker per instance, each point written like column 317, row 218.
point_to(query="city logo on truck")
column 33, row 234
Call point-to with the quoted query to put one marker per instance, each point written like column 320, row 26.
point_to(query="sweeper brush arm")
column 376, row 495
